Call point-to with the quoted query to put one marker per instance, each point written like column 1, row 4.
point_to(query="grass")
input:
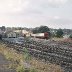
column 58, row 39
column 17, row 62
column 22, row 69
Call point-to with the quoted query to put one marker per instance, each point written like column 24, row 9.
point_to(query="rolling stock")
column 41, row 35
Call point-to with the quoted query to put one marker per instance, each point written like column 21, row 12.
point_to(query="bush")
column 70, row 36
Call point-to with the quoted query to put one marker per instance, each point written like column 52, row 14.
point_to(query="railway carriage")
column 41, row 35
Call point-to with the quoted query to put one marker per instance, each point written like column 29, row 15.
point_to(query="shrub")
column 70, row 36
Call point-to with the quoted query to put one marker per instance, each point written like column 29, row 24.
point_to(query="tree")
column 59, row 33
column 3, row 28
column 43, row 29
column 35, row 30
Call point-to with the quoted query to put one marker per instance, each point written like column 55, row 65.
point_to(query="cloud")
column 20, row 5
column 13, row 5
column 56, row 17
column 35, row 13
column 57, row 2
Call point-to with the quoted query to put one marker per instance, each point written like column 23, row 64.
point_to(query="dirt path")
column 3, row 65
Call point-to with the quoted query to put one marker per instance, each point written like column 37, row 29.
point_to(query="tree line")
column 59, row 32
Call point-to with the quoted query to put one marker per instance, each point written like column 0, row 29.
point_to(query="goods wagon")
column 41, row 35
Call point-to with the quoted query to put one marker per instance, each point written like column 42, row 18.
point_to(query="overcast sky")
column 32, row 13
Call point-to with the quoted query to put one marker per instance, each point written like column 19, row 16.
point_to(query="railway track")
column 60, row 54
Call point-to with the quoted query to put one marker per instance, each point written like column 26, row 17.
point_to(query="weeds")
column 22, row 69
column 27, row 56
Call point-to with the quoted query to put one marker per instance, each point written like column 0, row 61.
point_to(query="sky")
column 34, row 13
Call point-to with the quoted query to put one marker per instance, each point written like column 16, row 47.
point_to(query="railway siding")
column 60, row 54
